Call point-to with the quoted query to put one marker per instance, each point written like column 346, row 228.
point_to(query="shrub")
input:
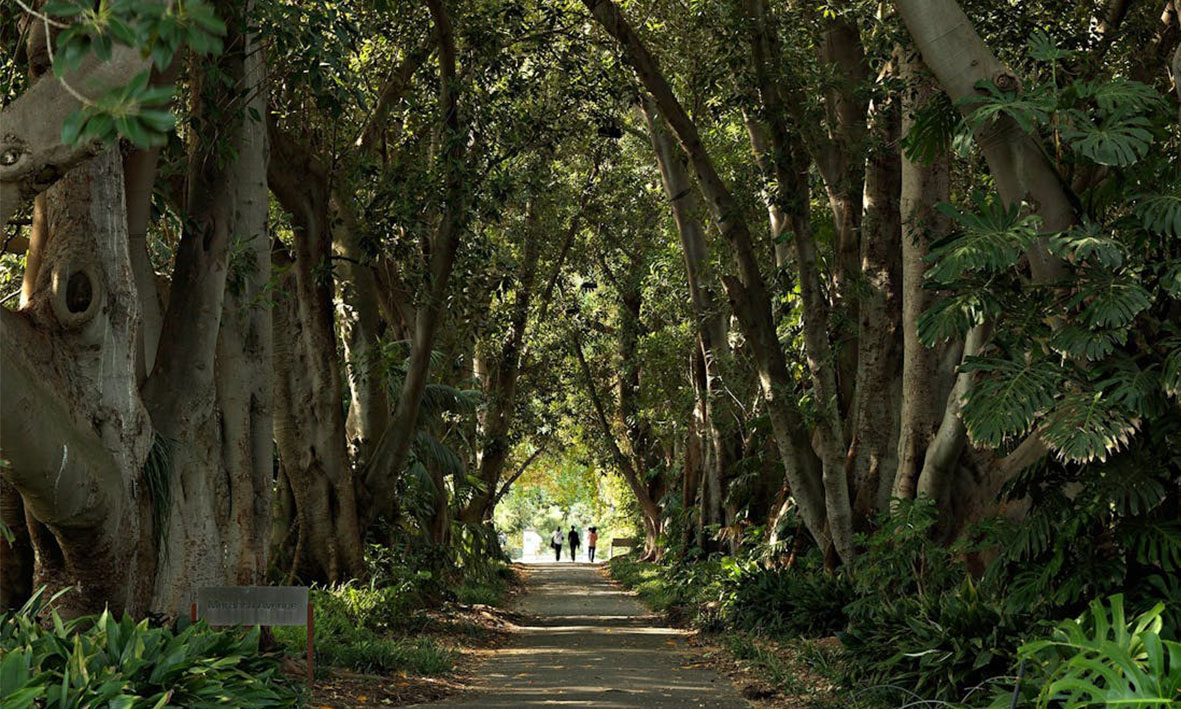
column 488, row 593
column 938, row 645
column 1103, row 659
column 98, row 661
column 788, row 601
column 352, row 629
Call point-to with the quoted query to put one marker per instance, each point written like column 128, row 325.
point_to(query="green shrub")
column 1104, row 659
column 353, row 629
column 937, row 645
column 788, row 601
column 98, row 661
column 371, row 654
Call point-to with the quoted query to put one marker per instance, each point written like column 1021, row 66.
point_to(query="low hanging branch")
column 513, row 478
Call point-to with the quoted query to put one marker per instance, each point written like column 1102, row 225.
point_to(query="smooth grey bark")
column 209, row 388
column 924, row 390
column 139, row 169
column 787, row 163
column 959, row 59
column 747, row 292
column 720, row 418
column 32, row 156
column 72, row 424
column 309, row 422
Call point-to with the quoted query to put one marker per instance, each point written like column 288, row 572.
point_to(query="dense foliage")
column 101, row 661
column 355, row 294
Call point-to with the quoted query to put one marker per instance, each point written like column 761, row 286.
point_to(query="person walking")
column 575, row 542
column 592, row 540
column 555, row 542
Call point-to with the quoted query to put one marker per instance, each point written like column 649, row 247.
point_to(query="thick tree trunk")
column 788, row 163
column 874, row 441
column 209, row 388
column 924, row 390
column 959, row 58
column 309, row 420
column 747, row 293
column 73, row 428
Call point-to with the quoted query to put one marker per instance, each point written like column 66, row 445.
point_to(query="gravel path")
column 586, row 643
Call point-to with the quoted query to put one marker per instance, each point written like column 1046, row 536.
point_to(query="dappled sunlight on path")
column 583, row 642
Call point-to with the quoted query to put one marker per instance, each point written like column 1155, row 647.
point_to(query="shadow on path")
column 586, row 643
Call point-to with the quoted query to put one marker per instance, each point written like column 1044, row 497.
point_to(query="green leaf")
column 1160, row 213
column 1028, row 111
column 1116, row 140
column 989, row 239
column 1110, row 300
column 932, row 130
column 1085, row 427
column 1011, row 395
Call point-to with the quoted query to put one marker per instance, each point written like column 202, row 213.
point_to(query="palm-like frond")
column 1084, row 427
column 1009, row 397
column 990, row 238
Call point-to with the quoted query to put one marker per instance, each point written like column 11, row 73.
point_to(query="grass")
column 354, row 631
column 488, row 594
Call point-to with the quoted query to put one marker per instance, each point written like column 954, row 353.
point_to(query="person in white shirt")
column 555, row 542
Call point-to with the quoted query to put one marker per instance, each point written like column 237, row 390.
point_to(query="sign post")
column 257, row 605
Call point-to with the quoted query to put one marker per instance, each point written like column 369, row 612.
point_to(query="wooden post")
column 193, row 612
column 311, row 632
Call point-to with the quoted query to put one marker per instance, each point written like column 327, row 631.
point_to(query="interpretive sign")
column 257, row 605
column 253, row 605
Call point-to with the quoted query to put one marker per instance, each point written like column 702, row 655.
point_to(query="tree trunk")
column 649, row 508
column 959, row 58
column 309, row 421
column 792, row 195
column 874, row 442
column 209, row 389
column 923, row 387
column 361, row 331
column 748, row 293
column 394, row 446
column 720, row 417
column 502, row 388
column 74, row 430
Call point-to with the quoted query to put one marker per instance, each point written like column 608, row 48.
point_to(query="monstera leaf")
column 1008, row 398
column 990, row 238
column 1102, row 659
column 1115, row 140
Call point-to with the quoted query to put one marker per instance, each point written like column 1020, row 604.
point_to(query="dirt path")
column 584, row 642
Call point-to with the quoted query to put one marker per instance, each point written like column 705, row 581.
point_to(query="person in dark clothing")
column 592, row 540
column 575, row 541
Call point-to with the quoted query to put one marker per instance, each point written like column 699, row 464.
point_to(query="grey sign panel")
column 253, row 605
